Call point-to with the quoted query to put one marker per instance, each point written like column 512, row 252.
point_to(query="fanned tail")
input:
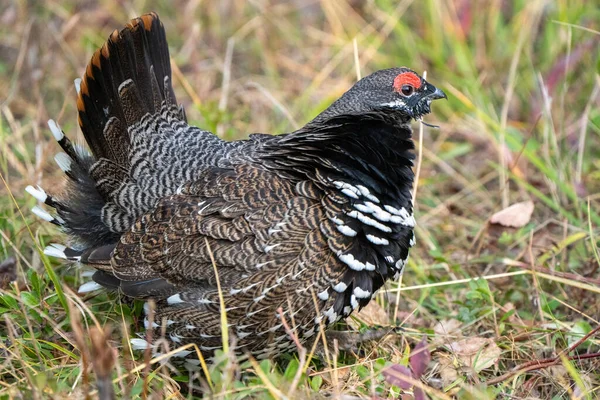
column 126, row 80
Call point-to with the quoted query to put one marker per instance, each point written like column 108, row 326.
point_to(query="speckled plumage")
column 313, row 222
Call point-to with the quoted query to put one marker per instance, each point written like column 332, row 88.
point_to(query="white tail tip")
column 55, row 250
column 43, row 214
column 63, row 161
column 55, row 129
column 77, row 83
column 38, row 193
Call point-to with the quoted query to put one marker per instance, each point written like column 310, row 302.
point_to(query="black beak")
column 438, row 94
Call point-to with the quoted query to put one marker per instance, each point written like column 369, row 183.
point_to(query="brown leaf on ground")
column 447, row 330
column 467, row 356
column 476, row 353
column 514, row 216
column 448, row 369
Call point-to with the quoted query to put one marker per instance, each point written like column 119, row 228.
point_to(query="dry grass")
column 504, row 310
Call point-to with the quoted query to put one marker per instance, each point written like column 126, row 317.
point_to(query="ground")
column 484, row 310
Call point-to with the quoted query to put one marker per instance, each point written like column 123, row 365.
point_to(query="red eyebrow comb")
column 406, row 78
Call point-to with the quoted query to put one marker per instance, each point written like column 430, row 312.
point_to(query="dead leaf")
column 447, row 330
column 371, row 315
column 476, row 353
column 419, row 358
column 514, row 216
column 395, row 375
column 467, row 356
column 448, row 369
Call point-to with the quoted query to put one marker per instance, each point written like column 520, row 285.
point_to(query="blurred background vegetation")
column 522, row 125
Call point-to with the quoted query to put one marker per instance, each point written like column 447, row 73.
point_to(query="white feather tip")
column 89, row 287
column 63, row 161
column 55, row 129
column 43, row 214
column 38, row 193
column 56, row 250
column 77, row 83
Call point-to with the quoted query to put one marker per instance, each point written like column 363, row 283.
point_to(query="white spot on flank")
column 394, row 210
column 379, row 212
column 369, row 266
column 56, row 250
column 347, row 189
column 353, row 302
column 174, row 299
column 55, row 129
column 346, row 230
column 367, row 193
column 369, row 221
column 336, row 220
column 400, row 264
column 347, row 310
column 190, row 326
column 38, row 193
column 377, row 240
column 361, row 294
column 402, row 216
column 412, row 240
column 340, row 287
column 349, row 193
column 389, row 259
column 331, row 315
column 175, row 338
column 350, row 261
column 324, row 295
column 89, row 287
column 242, row 335
column 362, row 208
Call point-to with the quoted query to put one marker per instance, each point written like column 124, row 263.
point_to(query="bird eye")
column 407, row 90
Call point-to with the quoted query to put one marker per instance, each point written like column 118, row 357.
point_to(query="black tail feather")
column 123, row 81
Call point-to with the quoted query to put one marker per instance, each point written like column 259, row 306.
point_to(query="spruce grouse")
column 313, row 222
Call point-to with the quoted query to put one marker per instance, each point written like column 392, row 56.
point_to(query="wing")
column 275, row 244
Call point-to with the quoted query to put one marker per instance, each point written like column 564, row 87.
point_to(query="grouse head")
column 398, row 91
